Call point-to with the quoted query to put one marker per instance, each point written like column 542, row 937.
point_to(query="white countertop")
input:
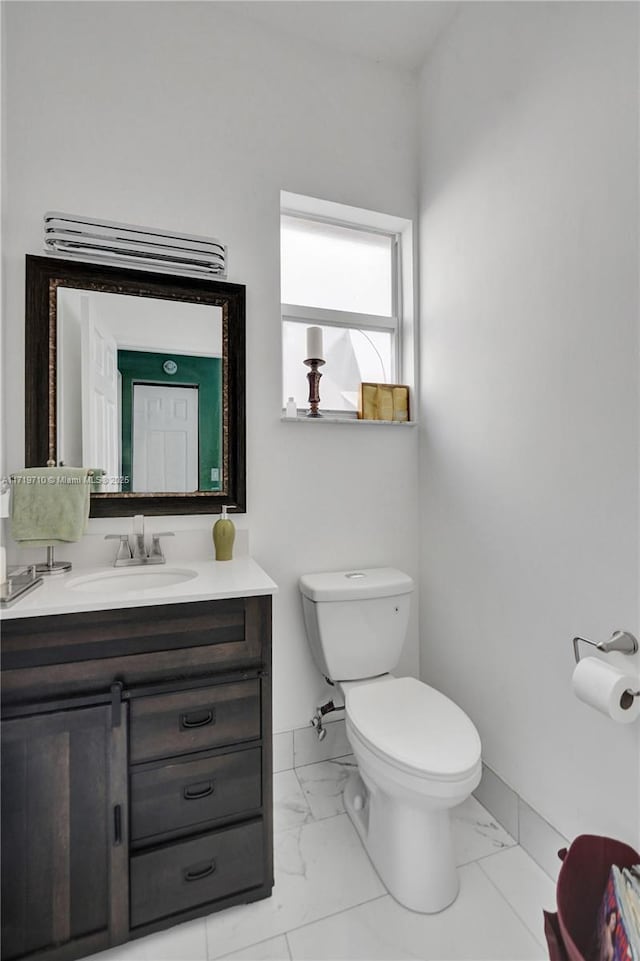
column 214, row 580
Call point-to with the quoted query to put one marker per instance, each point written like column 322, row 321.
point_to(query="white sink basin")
column 131, row 580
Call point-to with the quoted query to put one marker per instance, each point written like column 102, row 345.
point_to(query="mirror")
column 139, row 391
column 139, row 376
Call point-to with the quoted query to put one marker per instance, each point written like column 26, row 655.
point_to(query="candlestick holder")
column 313, row 377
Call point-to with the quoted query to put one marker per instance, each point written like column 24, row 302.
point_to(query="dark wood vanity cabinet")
column 63, row 791
column 136, row 772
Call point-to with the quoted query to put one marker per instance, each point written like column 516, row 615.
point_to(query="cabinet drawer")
column 189, row 873
column 165, row 725
column 85, row 652
column 186, row 793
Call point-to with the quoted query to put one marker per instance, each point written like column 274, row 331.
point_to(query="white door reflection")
column 110, row 344
column 100, row 395
column 165, row 438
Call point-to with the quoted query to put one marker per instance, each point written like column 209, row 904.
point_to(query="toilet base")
column 409, row 845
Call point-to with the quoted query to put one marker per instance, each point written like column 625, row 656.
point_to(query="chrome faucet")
column 126, row 557
column 139, row 550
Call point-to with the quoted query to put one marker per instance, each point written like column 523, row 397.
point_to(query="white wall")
column 144, row 323
column 177, row 115
column 529, row 473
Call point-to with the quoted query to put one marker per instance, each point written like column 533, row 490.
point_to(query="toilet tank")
column 356, row 620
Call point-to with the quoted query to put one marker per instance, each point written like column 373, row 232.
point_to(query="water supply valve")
column 316, row 720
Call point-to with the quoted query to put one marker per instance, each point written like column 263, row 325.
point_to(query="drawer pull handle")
column 117, row 824
column 193, row 792
column 197, row 719
column 196, row 874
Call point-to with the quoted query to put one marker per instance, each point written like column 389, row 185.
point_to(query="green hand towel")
column 49, row 505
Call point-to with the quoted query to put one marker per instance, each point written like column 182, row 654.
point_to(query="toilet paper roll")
column 605, row 688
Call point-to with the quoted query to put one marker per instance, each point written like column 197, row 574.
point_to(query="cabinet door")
column 64, row 843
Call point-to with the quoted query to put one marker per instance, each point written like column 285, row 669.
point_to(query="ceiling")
column 396, row 33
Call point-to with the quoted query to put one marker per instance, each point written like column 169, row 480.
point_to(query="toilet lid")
column 415, row 726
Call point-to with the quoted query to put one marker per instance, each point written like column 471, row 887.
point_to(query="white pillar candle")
column 314, row 343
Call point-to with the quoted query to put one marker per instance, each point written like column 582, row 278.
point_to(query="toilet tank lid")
column 356, row 584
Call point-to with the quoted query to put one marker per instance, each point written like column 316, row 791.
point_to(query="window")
column 341, row 271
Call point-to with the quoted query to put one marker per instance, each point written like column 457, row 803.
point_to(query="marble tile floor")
column 328, row 901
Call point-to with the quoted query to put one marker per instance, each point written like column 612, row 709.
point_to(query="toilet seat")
column 393, row 715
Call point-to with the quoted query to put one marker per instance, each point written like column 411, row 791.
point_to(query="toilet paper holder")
column 621, row 641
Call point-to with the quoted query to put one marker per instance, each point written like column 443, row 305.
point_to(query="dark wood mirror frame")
column 43, row 277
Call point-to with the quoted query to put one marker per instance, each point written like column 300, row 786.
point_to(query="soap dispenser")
column 224, row 534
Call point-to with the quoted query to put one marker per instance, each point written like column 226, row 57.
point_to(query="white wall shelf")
column 328, row 419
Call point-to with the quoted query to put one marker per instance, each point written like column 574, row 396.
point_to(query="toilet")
column 418, row 753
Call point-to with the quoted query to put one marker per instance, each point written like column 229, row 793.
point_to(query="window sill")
column 332, row 419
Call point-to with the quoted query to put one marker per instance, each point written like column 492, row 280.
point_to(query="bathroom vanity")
column 136, row 759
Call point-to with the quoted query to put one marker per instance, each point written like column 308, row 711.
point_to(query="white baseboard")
column 536, row 836
column 301, row 746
